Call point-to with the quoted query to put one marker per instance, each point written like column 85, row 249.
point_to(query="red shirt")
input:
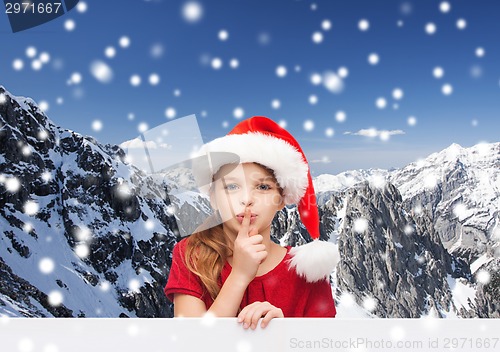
column 281, row 287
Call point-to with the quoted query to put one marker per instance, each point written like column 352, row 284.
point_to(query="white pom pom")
column 315, row 260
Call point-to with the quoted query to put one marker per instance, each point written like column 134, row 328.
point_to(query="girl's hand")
column 251, row 314
column 248, row 252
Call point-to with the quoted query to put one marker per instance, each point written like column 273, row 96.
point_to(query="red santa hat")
column 261, row 140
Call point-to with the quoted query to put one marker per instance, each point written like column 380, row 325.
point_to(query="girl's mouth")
column 240, row 218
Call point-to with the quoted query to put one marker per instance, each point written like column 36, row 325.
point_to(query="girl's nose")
column 247, row 197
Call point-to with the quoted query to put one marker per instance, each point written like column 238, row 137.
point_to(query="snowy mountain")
column 454, row 196
column 84, row 233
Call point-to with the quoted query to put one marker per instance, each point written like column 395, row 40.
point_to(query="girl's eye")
column 264, row 187
column 231, row 186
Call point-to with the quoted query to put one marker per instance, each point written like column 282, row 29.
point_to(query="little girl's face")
column 251, row 185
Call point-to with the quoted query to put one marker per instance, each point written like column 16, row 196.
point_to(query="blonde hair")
column 207, row 250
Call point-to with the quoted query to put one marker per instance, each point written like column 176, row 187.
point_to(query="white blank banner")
column 225, row 334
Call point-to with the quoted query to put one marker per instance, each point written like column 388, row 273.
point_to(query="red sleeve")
column 320, row 303
column 181, row 279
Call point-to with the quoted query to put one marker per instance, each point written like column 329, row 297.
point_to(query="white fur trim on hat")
column 285, row 160
column 315, row 260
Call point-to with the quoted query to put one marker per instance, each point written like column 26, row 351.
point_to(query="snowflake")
column 101, row 71
column 97, row 125
column 192, row 11
column 46, row 265
column 124, row 42
column 135, row 80
column 343, row 72
column 317, row 37
column 333, row 82
column 69, row 25
column 329, row 132
column 340, row 116
column 55, row 298
column 316, row 79
column 447, row 89
column 412, row 121
column 430, row 28
column 216, row 63
column 82, row 251
column 370, row 304
column 81, row 7
column 326, row 25
column 381, row 103
column 313, row 99
column 360, row 225
column 444, row 7
column 12, row 184
column 438, row 72
column 373, row 59
column 397, row 94
column 483, row 277
column 281, row 71
column 275, row 104
column 234, row 63
column 223, row 35
column 209, row 319
column 363, row 25
column 308, row 125
column 31, row 52
column 31, row 208
column 134, row 285
column 170, row 112
column 461, row 24
column 18, row 64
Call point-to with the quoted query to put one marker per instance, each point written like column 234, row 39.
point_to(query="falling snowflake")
column 326, row 25
column 69, row 25
column 31, row 52
column 460, row 210
column 282, row 123
column 101, row 71
column 480, row 52
column 216, row 63
column 81, row 7
column 55, row 298
column 133, row 330
column 281, row 71
column 373, row 59
column 461, row 24
column 234, row 63
column 483, row 277
column 18, row 64
column 316, row 79
column 44, row 58
column 444, row 7
column 149, row 225
column 134, row 285
column 313, row 99
column 438, row 72
column 308, row 125
column 409, row 229
column 397, row 93
column 192, row 11
column 347, row 300
column 154, row 79
column 340, row 116
column 12, row 184
column 317, row 37
column 223, row 35
column 430, row 181
column 46, row 265
column 83, row 233
column 238, row 113
column 104, row 286
column 135, row 80
column 276, row 104
column 124, row 42
column 333, row 82
column 170, row 112
column 447, row 89
column 430, row 28
column 381, row 103
column 343, row 72
column 177, row 92
column 369, row 303
column 209, row 319
column 97, row 125
column 378, row 181
column 156, row 50
column 36, row 65
column 329, row 132
column 31, row 208
column 27, row 227
column 363, row 25
column 82, row 251
column 110, row 52
column 360, row 225
column 46, row 176
column 474, row 123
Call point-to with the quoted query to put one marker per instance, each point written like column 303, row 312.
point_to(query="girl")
column 233, row 268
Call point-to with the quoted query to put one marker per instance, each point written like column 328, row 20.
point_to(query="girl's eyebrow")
column 232, row 178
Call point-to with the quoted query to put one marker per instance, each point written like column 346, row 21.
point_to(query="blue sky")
column 262, row 36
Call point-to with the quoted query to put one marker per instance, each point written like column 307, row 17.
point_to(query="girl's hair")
column 207, row 250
